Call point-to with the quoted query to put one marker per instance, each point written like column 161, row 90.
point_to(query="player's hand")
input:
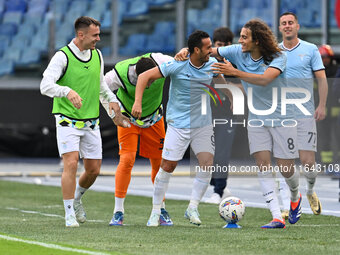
column 117, row 117
column 182, row 55
column 121, row 120
column 75, row 99
column 225, row 68
column 320, row 113
column 136, row 110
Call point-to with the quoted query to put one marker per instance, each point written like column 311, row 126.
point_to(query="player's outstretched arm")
column 144, row 79
column 183, row 54
column 264, row 79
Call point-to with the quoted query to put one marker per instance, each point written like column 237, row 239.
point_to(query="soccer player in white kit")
column 186, row 125
column 261, row 67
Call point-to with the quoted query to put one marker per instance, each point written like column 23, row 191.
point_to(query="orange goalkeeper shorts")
column 151, row 140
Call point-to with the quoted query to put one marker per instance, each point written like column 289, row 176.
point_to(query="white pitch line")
column 45, row 214
column 321, row 225
column 52, row 246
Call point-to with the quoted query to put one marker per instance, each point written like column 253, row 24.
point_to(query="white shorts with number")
column 282, row 141
column 307, row 135
column 87, row 142
column 177, row 140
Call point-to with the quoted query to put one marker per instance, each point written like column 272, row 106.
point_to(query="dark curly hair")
column 261, row 32
column 195, row 40
column 144, row 64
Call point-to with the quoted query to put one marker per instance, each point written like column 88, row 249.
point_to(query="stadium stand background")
column 32, row 30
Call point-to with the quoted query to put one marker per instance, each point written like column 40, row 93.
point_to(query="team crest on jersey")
column 302, row 56
column 264, row 66
column 169, row 63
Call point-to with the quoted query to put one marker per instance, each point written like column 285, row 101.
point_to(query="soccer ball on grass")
column 232, row 209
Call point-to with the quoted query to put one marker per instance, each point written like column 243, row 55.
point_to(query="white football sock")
column 284, row 192
column 79, row 192
column 199, row 187
column 119, row 204
column 160, row 187
column 68, row 206
column 310, row 178
column 267, row 182
column 293, row 184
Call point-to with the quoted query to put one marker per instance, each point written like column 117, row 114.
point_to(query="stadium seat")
column 136, row 8
column 107, row 19
column 214, row 4
column 2, row 6
column 38, row 6
column 79, row 6
column 16, row 5
column 265, row 15
column 136, row 44
column 6, row 67
column 63, row 35
column 170, row 45
column 210, row 17
column 106, row 51
column 160, row 2
column 247, row 14
column 155, row 43
column 164, row 28
column 13, row 17
column 96, row 14
column 30, row 56
column 9, row 29
column 4, row 43
column 238, row 5
column 20, row 41
column 33, row 20
column 192, row 15
column 122, row 9
column 40, row 42
column 60, row 6
column 12, row 54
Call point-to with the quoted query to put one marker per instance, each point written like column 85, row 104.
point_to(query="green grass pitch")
column 35, row 213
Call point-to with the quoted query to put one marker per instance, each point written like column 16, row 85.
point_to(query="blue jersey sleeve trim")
column 319, row 69
column 276, row 68
column 160, row 71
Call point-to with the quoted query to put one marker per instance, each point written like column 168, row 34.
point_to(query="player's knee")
column 263, row 163
column 127, row 160
column 308, row 164
column 93, row 171
column 168, row 166
column 205, row 159
column 70, row 164
column 206, row 163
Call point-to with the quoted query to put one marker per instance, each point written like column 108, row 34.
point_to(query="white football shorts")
column 281, row 141
column 307, row 134
column 177, row 140
column 87, row 142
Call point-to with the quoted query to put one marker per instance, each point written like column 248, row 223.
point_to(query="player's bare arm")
column 264, row 79
column 320, row 111
column 183, row 54
column 144, row 80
